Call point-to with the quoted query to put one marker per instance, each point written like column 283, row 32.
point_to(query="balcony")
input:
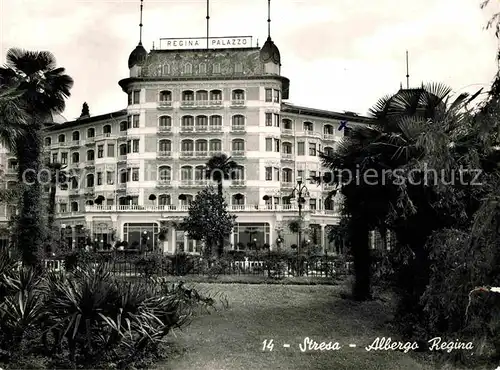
column 287, row 156
column 187, row 104
column 329, row 137
column 287, row 184
column 238, row 128
column 89, row 164
column 190, row 104
column 163, row 154
column 238, row 153
column 238, row 103
column 90, row 141
column 165, row 104
column 76, row 143
column 185, row 129
column 122, row 158
column 163, row 183
column 121, row 185
column 201, row 154
column 287, row 132
column 186, row 154
column 194, row 183
column 238, row 183
column 163, row 130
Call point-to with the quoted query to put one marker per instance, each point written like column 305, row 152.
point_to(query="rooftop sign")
column 201, row 42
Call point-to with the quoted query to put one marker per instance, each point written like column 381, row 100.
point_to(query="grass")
column 232, row 339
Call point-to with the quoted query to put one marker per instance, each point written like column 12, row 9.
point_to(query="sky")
column 340, row 55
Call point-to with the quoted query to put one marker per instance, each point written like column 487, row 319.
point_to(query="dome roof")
column 137, row 56
column 270, row 52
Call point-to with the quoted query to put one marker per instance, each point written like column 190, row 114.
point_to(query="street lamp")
column 301, row 192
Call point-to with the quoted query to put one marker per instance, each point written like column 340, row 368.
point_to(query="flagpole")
column 208, row 19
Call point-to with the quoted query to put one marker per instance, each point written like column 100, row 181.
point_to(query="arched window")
column 61, row 138
column 187, row 95
column 186, row 173
column 90, row 132
column 106, row 130
column 202, row 68
column 166, row 69
column 187, row 145
column 215, row 95
column 215, row 145
column 238, row 145
column 328, row 130
column 48, row 141
column 202, row 95
column 75, row 157
column 216, row 123
column 165, row 123
column 90, row 155
column 188, row 68
column 164, row 200
column 308, row 126
column 90, row 180
column 199, row 172
column 165, row 95
column 328, row 151
column 201, row 147
column 287, row 148
column 122, row 149
column 201, row 123
column 164, row 173
column 76, row 135
column 187, row 123
column 238, row 199
column 74, row 183
column 238, row 173
column 287, row 175
column 287, row 124
column 164, row 146
column 238, row 94
column 238, row 121
column 74, row 206
column 123, row 125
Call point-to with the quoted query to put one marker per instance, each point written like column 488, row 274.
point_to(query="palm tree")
column 406, row 126
column 43, row 88
column 218, row 168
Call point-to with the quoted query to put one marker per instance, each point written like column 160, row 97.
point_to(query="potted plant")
column 162, row 235
column 294, row 225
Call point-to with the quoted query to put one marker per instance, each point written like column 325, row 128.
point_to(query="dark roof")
column 137, row 56
column 270, row 52
column 313, row 112
column 83, row 121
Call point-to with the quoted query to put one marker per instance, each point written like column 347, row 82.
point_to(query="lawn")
column 232, row 338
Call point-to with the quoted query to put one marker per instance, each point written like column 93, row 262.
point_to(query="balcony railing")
column 287, row 184
column 330, row 137
column 187, row 154
column 194, row 183
column 201, row 103
column 164, row 154
column 165, row 104
column 187, row 128
column 238, row 102
column 238, row 153
column 238, row 183
column 201, row 153
column 286, row 131
column 288, row 156
column 232, row 208
column 163, row 183
column 164, row 128
column 238, row 128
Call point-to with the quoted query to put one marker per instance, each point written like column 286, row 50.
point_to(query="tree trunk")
column 30, row 231
column 220, row 248
column 52, row 205
column 360, row 248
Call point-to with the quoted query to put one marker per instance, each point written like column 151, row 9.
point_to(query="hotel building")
column 136, row 170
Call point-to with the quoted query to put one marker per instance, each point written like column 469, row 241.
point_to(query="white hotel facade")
column 139, row 168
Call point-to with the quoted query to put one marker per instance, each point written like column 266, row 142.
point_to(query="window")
column 238, row 199
column 187, row 123
column 287, row 175
column 47, row 141
column 238, row 121
column 269, row 95
column 202, row 95
column 90, row 133
column 287, row 124
column 276, row 96
column 111, row 150
column 308, row 126
column 129, row 98
column 74, row 183
column 90, row 155
column 216, row 95
column 328, row 151
column 75, row 157
column 215, row 145
column 269, row 119
column 216, row 123
column 106, row 130
column 238, row 144
column 123, row 177
column 165, row 122
column 166, row 69
column 187, row 95
column 110, row 177
column 135, row 174
column 312, row 149
column 63, row 207
column 61, row 138
column 133, row 121
column 269, row 144
column 90, row 180
column 188, row 68
column 287, row 148
column 301, row 148
column 277, row 145
column 164, row 173
column 55, row 157
column 312, row 177
column 100, row 151
column 199, row 173
column 187, row 146
column 201, row 123
column 312, row 204
column 328, row 130
column 64, row 158
column 165, row 146
column 276, row 120
column 136, row 97
column 238, row 68
column 238, row 95
column 202, row 68
column 74, row 206
column 269, row 174
column 201, row 145
column 99, row 178
column 186, row 173
column 123, row 149
column 164, row 200
column 135, row 146
column 277, row 173
column 123, row 125
column 76, row 135
column 165, row 96
column 216, row 68
column 239, row 173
